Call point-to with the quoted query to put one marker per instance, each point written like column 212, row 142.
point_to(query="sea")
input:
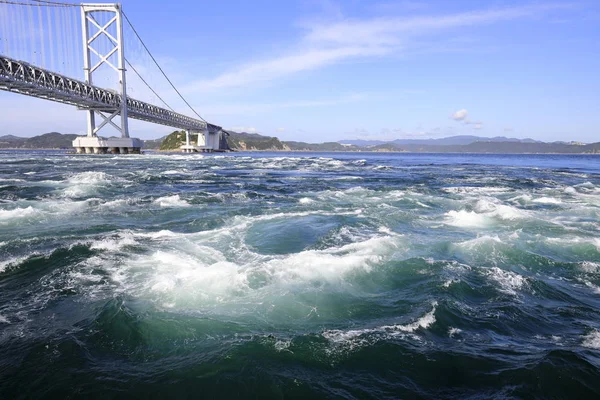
column 299, row 276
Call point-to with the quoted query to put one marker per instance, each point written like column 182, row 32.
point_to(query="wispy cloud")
column 254, row 108
column 403, row 6
column 327, row 43
column 279, row 67
column 462, row 116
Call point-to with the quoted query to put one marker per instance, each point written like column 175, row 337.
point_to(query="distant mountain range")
column 243, row 141
column 448, row 141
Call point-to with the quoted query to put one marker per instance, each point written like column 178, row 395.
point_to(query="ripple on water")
column 198, row 269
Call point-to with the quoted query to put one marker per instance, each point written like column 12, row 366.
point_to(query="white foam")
column 483, row 215
column 509, row 213
column 485, row 206
column 587, row 185
column 11, row 180
column 159, row 235
column 113, row 244
column 18, row 213
column 475, row 245
column 547, row 200
column 594, row 288
column 592, row 340
column 590, row 267
column 421, row 204
column 385, row 229
column 570, row 190
column 509, row 281
column 281, row 345
column 6, row 264
column 201, row 269
column 569, row 241
column 422, row 323
column 501, row 211
column 171, row 201
column 340, row 336
column 466, row 219
column 90, row 177
column 470, row 190
column 305, row 200
column 331, row 265
column 449, row 282
column 119, row 203
column 87, row 183
column 453, row 331
column 523, row 198
column 3, row 320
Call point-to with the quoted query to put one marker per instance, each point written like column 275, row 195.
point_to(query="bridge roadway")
column 21, row 77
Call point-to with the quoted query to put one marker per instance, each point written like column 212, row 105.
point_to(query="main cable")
column 149, row 87
column 40, row 3
column 159, row 67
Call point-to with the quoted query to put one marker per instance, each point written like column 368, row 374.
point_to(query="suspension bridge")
column 39, row 57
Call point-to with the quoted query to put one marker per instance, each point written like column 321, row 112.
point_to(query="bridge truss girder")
column 21, row 77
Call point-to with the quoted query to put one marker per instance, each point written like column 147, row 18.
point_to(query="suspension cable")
column 159, row 67
column 40, row 3
column 146, row 83
column 48, row 3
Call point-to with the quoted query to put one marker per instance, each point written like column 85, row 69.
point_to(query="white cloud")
column 327, row 43
column 508, row 129
column 279, row 67
column 247, row 129
column 280, row 129
column 460, row 115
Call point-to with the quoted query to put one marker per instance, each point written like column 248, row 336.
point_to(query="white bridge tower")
column 112, row 32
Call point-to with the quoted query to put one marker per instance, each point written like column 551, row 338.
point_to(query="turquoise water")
column 299, row 275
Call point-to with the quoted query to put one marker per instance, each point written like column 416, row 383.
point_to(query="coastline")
column 328, row 151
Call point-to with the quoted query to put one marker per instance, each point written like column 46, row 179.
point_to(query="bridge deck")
column 21, row 77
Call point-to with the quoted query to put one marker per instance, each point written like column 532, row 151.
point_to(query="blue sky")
column 324, row 70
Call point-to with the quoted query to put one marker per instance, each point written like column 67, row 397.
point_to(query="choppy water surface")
column 299, row 275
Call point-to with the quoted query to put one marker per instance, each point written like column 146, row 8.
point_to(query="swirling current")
column 299, row 275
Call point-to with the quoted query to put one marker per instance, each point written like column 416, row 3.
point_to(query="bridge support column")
column 203, row 138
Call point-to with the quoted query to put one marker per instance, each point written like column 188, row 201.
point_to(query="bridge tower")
column 88, row 25
column 112, row 32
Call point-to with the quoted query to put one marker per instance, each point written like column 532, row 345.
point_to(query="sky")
column 325, row 70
